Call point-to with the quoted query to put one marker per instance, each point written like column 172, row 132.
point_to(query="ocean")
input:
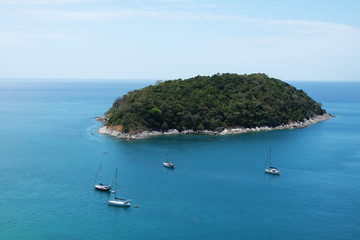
column 50, row 153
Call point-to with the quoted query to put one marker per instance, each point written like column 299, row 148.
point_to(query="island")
column 220, row 104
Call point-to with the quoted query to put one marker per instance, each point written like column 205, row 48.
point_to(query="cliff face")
column 212, row 103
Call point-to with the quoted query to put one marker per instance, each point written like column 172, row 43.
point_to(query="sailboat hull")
column 168, row 165
column 102, row 187
column 119, row 203
column 272, row 171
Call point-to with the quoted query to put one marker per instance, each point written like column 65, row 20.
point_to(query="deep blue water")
column 50, row 152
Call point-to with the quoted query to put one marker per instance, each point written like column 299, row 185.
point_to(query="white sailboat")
column 98, row 181
column 113, row 199
column 167, row 163
column 271, row 169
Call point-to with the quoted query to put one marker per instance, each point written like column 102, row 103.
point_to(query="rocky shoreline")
column 146, row 134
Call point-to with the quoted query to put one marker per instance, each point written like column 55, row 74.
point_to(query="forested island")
column 218, row 104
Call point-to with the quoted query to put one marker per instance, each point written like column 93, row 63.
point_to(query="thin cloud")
column 15, row 36
column 166, row 1
column 109, row 15
column 314, row 26
column 49, row 2
column 283, row 26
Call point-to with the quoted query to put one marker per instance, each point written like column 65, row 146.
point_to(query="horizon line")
column 153, row 79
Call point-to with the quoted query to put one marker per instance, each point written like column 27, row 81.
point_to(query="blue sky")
column 170, row 39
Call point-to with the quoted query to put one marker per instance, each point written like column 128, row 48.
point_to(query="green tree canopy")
column 212, row 103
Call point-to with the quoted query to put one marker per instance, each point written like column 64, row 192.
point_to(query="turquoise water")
column 50, row 152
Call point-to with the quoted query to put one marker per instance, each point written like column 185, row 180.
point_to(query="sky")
column 170, row 39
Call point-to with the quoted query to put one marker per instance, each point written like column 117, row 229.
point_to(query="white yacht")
column 98, row 181
column 271, row 169
column 113, row 199
column 167, row 163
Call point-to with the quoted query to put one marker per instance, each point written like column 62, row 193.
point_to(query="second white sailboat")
column 113, row 199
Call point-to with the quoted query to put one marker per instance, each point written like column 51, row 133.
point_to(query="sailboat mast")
column 99, row 175
column 116, row 183
column 268, row 158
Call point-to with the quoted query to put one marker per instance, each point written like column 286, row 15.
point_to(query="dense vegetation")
column 212, row 103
